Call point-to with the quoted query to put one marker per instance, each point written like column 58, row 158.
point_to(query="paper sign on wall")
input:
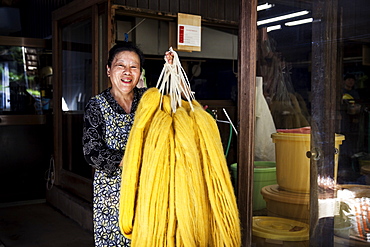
column 188, row 32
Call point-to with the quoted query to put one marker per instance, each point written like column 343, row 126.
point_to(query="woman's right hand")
column 169, row 57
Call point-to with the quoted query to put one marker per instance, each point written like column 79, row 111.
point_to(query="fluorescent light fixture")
column 264, row 6
column 283, row 17
column 272, row 28
column 299, row 22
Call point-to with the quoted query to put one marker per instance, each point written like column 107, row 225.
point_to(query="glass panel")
column 77, row 50
column 20, row 80
column 77, row 89
column 314, row 75
column 282, row 102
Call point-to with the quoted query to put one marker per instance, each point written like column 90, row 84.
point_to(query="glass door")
column 312, row 67
column 25, row 118
column 76, row 89
column 80, row 40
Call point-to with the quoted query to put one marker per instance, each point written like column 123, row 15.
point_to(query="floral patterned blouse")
column 106, row 130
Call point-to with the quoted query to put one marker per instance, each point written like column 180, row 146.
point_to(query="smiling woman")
column 107, row 123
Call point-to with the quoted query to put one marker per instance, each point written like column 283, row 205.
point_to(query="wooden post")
column 323, row 87
column 246, row 113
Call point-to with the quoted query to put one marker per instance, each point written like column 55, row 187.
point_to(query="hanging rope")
column 174, row 82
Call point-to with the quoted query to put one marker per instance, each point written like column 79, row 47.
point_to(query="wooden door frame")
column 323, row 117
column 66, row 179
column 246, row 99
column 246, row 114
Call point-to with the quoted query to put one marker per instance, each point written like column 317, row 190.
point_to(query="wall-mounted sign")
column 188, row 32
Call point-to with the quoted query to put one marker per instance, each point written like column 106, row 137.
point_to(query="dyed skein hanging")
column 176, row 188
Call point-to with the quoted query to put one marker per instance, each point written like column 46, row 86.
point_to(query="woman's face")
column 124, row 72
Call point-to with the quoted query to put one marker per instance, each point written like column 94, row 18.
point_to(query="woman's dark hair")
column 125, row 47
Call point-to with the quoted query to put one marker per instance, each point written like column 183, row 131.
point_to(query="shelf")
column 22, row 119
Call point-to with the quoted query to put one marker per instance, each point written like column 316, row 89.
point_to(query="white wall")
column 152, row 37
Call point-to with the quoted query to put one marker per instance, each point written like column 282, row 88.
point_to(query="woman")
column 107, row 123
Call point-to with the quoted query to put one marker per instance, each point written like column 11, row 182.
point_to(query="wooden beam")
column 160, row 15
column 323, row 87
column 22, row 119
column 307, row 4
column 74, row 7
column 57, row 98
column 246, row 114
column 95, row 48
column 21, row 41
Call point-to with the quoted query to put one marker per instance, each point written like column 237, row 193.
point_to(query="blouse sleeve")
column 95, row 150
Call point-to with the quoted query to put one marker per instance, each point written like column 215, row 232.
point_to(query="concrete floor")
column 37, row 224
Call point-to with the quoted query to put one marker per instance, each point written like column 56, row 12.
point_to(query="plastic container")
column 365, row 170
column 363, row 162
column 276, row 231
column 286, row 204
column 264, row 174
column 234, row 173
column 292, row 164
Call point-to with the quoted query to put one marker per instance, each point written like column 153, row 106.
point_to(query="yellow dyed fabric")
column 191, row 199
column 130, row 173
column 226, row 226
column 177, row 180
column 151, row 216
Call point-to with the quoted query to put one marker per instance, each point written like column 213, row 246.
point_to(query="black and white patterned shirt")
column 106, row 129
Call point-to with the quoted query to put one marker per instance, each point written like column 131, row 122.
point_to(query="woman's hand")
column 169, row 57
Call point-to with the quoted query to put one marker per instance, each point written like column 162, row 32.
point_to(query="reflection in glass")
column 76, row 91
column 20, row 82
column 315, row 75
column 77, row 65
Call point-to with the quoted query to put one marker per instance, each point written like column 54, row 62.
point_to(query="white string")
column 227, row 115
column 174, row 82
